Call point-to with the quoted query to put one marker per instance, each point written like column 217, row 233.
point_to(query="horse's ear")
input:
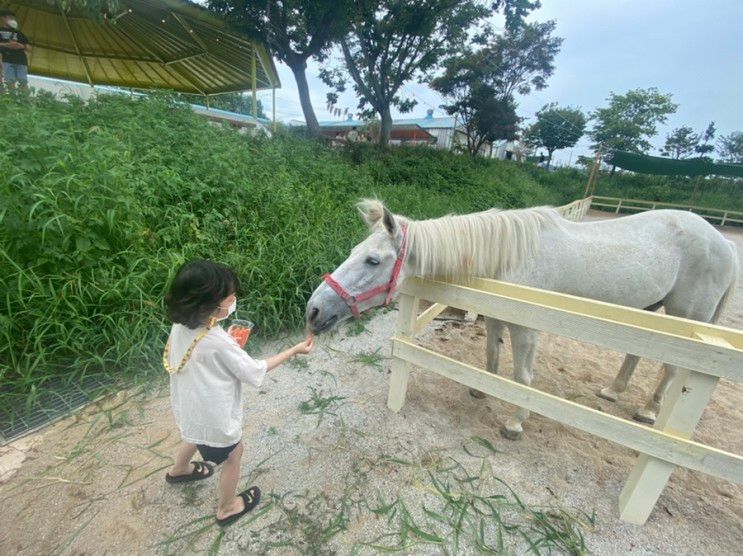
column 372, row 211
column 389, row 221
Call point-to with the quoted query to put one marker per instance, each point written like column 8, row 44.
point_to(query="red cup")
column 240, row 330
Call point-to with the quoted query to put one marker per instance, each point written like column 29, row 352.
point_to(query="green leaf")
column 82, row 244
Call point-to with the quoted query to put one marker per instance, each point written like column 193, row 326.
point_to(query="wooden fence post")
column 685, row 402
column 408, row 312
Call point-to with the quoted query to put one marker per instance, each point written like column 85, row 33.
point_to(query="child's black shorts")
column 215, row 455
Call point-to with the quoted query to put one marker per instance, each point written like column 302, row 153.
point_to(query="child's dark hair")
column 6, row 13
column 196, row 291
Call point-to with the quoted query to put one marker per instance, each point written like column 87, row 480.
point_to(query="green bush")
column 101, row 202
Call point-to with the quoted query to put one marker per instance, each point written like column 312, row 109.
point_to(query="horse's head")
column 367, row 278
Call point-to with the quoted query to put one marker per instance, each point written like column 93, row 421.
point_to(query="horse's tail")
column 727, row 297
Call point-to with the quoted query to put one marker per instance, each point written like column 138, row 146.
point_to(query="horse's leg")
column 619, row 385
column 624, row 375
column 494, row 330
column 524, row 346
column 649, row 413
column 677, row 305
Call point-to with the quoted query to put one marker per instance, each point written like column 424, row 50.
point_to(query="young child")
column 207, row 368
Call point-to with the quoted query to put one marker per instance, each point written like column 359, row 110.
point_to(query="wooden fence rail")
column 703, row 352
column 714, row 216
column 575, row 210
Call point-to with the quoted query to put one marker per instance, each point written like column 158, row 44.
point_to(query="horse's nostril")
column 313, row 314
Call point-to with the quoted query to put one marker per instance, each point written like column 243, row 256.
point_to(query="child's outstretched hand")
column 303, row 348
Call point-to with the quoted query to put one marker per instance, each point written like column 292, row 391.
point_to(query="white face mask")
column 230, row 310
column 13, row 24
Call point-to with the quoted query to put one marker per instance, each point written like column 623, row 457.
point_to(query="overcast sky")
column 691, row 49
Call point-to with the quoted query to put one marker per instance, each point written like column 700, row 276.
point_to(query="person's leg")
column 21, row 76
column 183, row 465
column 11, row 80
column 229, row 503
column 8, row 76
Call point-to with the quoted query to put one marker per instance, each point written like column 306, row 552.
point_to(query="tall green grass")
column 100, row 202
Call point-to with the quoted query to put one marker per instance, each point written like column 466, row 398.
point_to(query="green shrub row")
column 101, row 202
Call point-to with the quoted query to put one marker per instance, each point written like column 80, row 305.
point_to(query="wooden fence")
column 714, row 216
column 575, row 210
column 703, row 352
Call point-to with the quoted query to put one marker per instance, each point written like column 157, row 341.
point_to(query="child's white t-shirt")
column 206, row 395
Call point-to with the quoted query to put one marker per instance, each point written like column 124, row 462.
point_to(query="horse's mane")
column 488, row 244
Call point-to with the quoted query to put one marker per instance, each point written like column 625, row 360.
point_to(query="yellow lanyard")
column 187, row 356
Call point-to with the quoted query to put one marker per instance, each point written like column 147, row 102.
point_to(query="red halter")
column 354, row 300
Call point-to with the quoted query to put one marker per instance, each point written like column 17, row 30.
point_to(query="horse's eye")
column 372, row 261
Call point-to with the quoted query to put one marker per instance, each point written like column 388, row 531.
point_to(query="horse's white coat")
column 664, row 257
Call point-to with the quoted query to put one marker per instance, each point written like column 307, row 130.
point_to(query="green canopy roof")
column 645, row 164
column 169, row 44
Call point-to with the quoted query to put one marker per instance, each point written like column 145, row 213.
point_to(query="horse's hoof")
column 510, row 434
column 477, row 394
column 644, row 416
column 608, row 394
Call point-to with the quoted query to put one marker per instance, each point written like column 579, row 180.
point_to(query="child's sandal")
column 251, row 498
column 196, row 475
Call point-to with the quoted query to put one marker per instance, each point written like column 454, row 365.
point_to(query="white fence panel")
column 704, row 352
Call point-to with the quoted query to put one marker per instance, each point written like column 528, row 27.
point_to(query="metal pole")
column 254, row 84
column 273, row 106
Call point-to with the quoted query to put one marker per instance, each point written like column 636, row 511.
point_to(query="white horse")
column 668, row 258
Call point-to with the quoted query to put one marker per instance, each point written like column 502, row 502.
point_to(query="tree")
column 485, row 118
column 392, row 42
column 295, row 30
column 556, row 128
column 680, row 143
column 704, row 145
column 488, row 79
column 730, row 147
column 242, row 103
column 521, row 59
column 630, row 120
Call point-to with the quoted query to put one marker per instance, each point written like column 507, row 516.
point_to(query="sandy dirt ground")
column 342, row 474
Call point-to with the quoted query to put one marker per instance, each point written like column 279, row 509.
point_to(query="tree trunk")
column 384, row 136
column 549, row 158
column 299, row 67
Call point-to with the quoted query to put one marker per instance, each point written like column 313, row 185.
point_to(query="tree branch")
column 355, row 75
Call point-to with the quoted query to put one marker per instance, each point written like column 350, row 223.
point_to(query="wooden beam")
column 427, row 316
column 659, row 337
column 199, row 41
column 45, row 46
column 626, row 315
column 185, row 58
column 659, row 444
column 407, row 311
column 687, row 397
column 77, row 48
column 253, row 86
column 598, row 199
